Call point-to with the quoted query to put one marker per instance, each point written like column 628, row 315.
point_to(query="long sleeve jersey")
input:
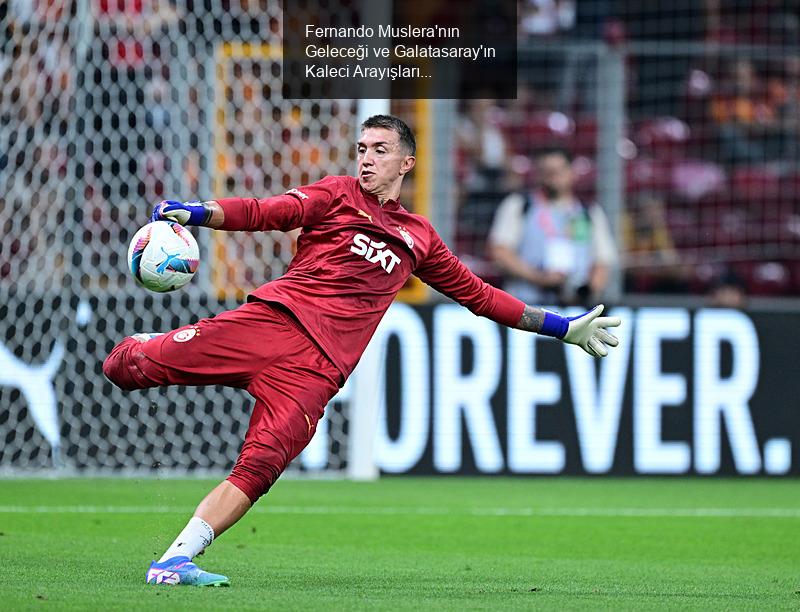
column 353, row 256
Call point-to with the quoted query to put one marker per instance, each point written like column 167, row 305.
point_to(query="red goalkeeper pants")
column 259, row 347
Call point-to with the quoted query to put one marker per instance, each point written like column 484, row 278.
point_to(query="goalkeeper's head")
column 386, row 153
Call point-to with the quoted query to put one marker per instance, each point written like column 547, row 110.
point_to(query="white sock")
column 191, row 541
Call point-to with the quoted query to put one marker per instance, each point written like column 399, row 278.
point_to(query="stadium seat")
column 703, row 142
column 765, row 277
column 726, row 227
column 704, row 275
column 789, row 191
column 647, row 174
column 753, row 184
column 758, row 190
column 794, row 274
column 683, row 224
column 542, row 129
column 584, row 141
column 663, row 137
column 693, row 179
column 789, row 230
column 585, row 178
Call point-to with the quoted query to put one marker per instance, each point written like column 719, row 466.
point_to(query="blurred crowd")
column 709, row 144
column 109, row 99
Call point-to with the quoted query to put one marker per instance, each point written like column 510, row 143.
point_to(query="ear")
column 407, row 165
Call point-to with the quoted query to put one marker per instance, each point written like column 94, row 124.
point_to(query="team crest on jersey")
column 406, row 236
column 185, row 335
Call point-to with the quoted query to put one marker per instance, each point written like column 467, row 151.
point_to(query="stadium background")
column 109, row 106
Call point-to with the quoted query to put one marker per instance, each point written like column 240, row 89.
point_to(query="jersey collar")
column 388, row 205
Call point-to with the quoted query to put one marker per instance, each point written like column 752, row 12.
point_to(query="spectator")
column 728, row 291
column 654, row 80
column 546, row 17
column 745, row 22
column 746, row 118
column 784, row 90
column 547, row 20
column 481, row 137
column 549, row 244
column 652, row 263
column 484, row 156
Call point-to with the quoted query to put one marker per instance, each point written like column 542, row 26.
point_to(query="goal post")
column 110, row 109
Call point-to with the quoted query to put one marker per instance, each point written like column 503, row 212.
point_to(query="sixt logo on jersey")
column 374, row 252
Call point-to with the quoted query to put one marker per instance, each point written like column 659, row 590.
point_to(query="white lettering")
column 728, row 398
column 652, row 389
column 528, row 388
column 466, row 394
column 359, row 52
column 387, row 31
column 375, row 252
column 386, row 258
column 403, row 452
column 361, row 244
column 597, row 411
column 298, row 193
column 327, row 72
column 362, row 31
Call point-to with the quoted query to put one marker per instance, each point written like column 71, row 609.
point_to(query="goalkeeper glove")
column 185, row 213
column 588, row 330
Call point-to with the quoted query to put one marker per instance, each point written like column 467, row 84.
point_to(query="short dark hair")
column 548, row 151
column 398, row 126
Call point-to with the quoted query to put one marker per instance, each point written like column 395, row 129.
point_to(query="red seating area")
column 746, row 217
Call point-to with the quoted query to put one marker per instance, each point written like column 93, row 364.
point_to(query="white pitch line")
column 431, row 511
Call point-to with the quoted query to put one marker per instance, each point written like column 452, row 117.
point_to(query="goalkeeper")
column 297, row 338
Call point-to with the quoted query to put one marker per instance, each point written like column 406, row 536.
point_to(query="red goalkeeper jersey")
column 353, row 256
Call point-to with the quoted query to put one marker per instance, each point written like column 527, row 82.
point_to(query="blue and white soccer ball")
column 163, row 256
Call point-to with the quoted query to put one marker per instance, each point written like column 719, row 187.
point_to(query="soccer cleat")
column 181, row 570
column 144, row 337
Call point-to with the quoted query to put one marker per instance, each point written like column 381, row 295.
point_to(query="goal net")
column 106, row 107
column 682, row 120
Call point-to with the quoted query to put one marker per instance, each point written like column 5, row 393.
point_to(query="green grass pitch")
column 412, row 544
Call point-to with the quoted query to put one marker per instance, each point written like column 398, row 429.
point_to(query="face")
column 555, row 175
column 382, row 161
